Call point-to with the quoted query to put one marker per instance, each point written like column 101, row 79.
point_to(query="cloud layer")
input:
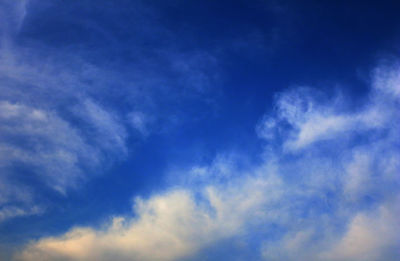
column 327, row 189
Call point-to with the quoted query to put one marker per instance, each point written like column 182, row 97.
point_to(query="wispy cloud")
column 12, row 17
column 56, row 128
column 38, row 132
column 37, row 137
column 11, row 212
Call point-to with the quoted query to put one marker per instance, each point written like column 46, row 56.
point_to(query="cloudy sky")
column 199, row 130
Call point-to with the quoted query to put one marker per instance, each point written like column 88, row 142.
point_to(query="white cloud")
column 370, row 236
column 387, row 79
column 11, row 212
column 176, row 224
column 291, row 247
column 44, row 142
column 358, row 175
column 39, row 107
column 109, row 132
column 167, row 227
column 318, row 127
column 58, row 153
column 328, row 203
column 54, row 121
column 140, row 122
column 12, row 16
column 311, row 121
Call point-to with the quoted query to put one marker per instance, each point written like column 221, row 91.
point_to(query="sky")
column 199, row 130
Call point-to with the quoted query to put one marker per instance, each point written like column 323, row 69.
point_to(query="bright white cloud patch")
column 167, row 227
column 332, row 202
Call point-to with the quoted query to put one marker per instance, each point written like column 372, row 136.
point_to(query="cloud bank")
column 327, row 189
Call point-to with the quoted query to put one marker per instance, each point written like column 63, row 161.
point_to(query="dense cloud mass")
column 336, row 200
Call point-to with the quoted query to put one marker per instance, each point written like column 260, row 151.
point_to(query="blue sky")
column 199, row 130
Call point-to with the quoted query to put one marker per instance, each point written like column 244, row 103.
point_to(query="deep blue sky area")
column 139, row 94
